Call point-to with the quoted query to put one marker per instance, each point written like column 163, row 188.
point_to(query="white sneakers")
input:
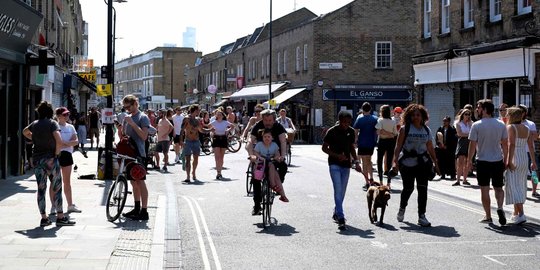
column 518, row 219
column 73, row 209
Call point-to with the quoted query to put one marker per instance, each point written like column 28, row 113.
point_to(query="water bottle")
column 534, row 177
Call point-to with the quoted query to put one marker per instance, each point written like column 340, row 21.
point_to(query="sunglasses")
column 128, row 106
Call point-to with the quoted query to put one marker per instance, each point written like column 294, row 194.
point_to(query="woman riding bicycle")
column 267, row 149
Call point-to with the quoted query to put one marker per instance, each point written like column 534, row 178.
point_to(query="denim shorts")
column 192, row 148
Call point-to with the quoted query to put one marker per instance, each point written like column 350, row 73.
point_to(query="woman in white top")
column 220, row 128
column 387, row 131
column 69, row 139
column 463, row 127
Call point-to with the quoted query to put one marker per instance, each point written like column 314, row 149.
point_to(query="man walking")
column 93, row 122
column 366, row 133
column 178, row 119
column 189, row 139
column 488, row 137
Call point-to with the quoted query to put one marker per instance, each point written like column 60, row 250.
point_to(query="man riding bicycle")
column 279, row 136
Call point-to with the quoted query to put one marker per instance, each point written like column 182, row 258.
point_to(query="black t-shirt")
column 340, row 141
column 94, row 119
column 277, row 129
column 43, row 138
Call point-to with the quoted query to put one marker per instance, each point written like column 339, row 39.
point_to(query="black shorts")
column 490, row 171
column 162, row 147
column 366, row 151
column 65, row 159
column 176, row 139
column 220, row 141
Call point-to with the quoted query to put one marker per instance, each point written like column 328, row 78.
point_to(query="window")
column 427, row 18
column 263, row 67
column 495, row 10
column 445, row 17
column 524, row 6
column 239, row 71
column 383, row 54
column 279, row 63
column 285, row 62
column 305, row 57
column 297, row 62
column 468, row 14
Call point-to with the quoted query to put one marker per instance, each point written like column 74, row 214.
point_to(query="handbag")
column 258, row 172
column 126, row 146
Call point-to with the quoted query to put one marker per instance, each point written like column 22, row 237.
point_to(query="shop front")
column 351, row 97
column 18, row 23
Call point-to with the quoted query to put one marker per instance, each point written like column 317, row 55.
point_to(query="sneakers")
column 517, row 220
column 486, row 220
column 401, row 214
column 164, row 169
column 53, row 211
column 131, row 214
column 365, row 187
column 341, row 224
column 73, row 209
column 143, row 215
column 45, row 222
column 219, row 176
column 335, row 218
column 422, row 221
column 64, row 222
column 256, row 211
column 535, row 194
column 456, row 184
column 502, row 218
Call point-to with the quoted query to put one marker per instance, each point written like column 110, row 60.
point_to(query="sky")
column 142, row 25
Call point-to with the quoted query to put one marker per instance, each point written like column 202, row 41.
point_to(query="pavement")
column 95, row 243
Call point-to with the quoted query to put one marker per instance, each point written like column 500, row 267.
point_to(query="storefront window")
column 525, row 96
column 493, row 94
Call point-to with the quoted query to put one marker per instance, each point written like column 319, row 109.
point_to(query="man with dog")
column 338, row 144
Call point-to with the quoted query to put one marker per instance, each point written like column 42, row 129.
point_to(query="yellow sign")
column 89, row 76
column 104, row 90
column 272, row 102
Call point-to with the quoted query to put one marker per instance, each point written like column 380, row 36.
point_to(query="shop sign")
column 368, row 93
column 330, row 65
column 18, row 23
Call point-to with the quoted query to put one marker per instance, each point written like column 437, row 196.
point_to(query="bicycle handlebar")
column 125, row 157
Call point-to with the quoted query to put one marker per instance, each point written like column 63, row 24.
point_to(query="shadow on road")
column 525, row 230
column 439, row 231
column 40, row 232
column 282, row 229
column 12, row 186
column 353, row 231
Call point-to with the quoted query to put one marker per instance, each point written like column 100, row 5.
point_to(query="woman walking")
column 220, row 128
column 463, row 127
column 47, row 145
column 414, row 156
column 387, row 131
column 69, row 140
column 519, row 139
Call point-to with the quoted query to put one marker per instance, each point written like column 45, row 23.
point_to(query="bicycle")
column 249, row 178
column 288, row 155
column 234, row 143
column 206, row 145
column 116, row 199
column 267, row 197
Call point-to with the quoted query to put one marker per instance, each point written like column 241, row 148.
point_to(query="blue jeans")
column 340, row 179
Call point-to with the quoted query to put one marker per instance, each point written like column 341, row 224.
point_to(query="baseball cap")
column 398, row 110
column 62, row 110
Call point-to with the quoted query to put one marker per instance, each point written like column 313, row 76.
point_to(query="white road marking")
column 208, row 236
column 489, row 257
column 204, row 255
column 378, row 244
column 465, row 242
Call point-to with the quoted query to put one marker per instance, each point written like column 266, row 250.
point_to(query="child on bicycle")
column 268, row 149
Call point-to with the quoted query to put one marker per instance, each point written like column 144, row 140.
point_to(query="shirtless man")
column 189, row 140
column 253, row 120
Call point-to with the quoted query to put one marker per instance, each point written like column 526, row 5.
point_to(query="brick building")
column 469, row 50
column 319, row 64
column 155, row 77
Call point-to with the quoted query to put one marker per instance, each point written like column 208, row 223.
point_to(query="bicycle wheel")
column 116, row 198
column 206, row 146
column 249, row 178
column 266, row 203
column 234, row 144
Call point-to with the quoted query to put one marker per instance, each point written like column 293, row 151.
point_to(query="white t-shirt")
column 532, row 128
column 220, row 126
column 66, row 133
column 177, row 123
column 387, row 124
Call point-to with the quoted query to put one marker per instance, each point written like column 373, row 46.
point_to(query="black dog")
column 377, row 197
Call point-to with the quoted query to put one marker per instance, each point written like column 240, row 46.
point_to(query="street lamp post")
column 270, row 56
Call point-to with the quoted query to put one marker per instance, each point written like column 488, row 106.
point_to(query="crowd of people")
column 500, row 150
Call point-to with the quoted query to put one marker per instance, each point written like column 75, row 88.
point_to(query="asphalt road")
column 216, row 230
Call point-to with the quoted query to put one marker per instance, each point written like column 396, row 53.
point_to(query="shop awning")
column 289, row 93
column 256, row 92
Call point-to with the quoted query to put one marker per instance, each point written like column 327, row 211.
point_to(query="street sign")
column 272, row 102
column 104, row 90
column 107, row 116
column 89, row 76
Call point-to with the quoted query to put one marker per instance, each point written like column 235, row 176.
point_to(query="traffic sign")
column 272, row 102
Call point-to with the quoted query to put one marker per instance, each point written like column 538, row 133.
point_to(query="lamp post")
column 172, row 77
column 270, row 55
